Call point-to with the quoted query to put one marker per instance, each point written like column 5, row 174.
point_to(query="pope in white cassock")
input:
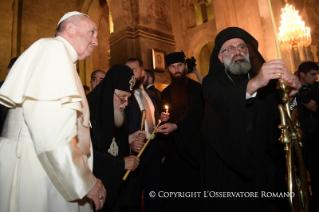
column 45, row 143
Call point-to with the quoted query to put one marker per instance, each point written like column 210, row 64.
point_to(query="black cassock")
column 241, row 148
column 106, row 138
column 182, row 148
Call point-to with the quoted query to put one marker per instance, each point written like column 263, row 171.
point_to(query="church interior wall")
column 140, row 25
column 6, row 22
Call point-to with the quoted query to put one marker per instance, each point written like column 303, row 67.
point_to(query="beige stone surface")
column 6, row 22
column 139, row 26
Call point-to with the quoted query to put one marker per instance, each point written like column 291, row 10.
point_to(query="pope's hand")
column 167, row 128
column 98, row 195
column 131, row 162
column 164, row 117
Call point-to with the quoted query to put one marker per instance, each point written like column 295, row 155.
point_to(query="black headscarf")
column 100, row 100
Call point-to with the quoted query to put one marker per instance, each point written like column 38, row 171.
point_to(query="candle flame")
column 166, row 107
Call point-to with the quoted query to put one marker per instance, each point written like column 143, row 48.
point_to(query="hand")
column 312, row 105
column 95, row 193
column 270, row 70
column 293, row 81
column 164, row 117
column 137, row 145
column 167, row 128
column 131, row 162
column 139, row 135
column 195, row 70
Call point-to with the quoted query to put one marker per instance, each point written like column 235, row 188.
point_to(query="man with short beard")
column 110, row 136
column 241, row 151
column 182, row 130
column 148, row 175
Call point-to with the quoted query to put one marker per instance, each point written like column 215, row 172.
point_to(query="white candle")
column 166, row 107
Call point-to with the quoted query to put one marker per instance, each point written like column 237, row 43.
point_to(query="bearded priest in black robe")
column 110, row 139
column 241, row 148
column 183, row 133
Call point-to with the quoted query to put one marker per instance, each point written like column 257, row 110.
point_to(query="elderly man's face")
column 234, row 54
column 85, row 38
column 120, row 101
column 96, row 79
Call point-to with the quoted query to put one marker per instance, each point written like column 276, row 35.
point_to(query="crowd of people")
column 212, row 146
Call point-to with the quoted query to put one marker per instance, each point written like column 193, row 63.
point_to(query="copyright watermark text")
column 215, row 194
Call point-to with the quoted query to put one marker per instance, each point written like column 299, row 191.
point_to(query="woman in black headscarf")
column 107, row 139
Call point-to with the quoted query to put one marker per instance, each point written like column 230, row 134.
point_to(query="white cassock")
column 45, row 142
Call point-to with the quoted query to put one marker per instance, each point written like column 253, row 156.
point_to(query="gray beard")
column 119, row 118
column 238, row 67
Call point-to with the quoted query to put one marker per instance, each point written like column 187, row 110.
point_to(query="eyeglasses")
column 123, row 100
column 232, row 49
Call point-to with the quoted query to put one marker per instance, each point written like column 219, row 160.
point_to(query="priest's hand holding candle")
column 165, row 115
column 166, row 128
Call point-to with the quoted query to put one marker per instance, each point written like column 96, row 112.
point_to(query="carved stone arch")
column 196, row 43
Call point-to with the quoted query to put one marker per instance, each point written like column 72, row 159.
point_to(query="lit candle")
column 166, row 107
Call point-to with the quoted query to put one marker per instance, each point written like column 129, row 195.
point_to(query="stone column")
column 144, row 25
column 202, row 4
column 191, row 16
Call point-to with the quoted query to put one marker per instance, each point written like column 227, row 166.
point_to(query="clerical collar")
column 234, row 77
column 74, row 55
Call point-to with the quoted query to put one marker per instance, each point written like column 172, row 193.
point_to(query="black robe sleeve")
column 106, row 167
column 187, row 137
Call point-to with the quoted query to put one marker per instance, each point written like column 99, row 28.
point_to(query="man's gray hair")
column 75, row 19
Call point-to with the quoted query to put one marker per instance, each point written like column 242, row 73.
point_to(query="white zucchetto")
column 69, row 14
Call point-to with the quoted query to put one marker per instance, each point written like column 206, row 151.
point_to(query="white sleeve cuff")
column 248, row 96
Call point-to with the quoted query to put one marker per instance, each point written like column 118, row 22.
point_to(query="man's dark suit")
column 155, row 95
column 149, row 171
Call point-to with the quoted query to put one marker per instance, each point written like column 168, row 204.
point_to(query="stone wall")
column 25, row 21
column 6, row 22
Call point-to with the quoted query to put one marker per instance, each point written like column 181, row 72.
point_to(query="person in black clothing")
column 183, row 136
column 148, row 84
column 148, row 175
column 307, row 103
column 110, row 139
column 241, row 151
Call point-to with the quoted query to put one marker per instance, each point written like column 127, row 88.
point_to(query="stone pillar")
column 202, row 4
column 7, row 22
column 296, row 58
column 191, row 16
column 145, row 24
